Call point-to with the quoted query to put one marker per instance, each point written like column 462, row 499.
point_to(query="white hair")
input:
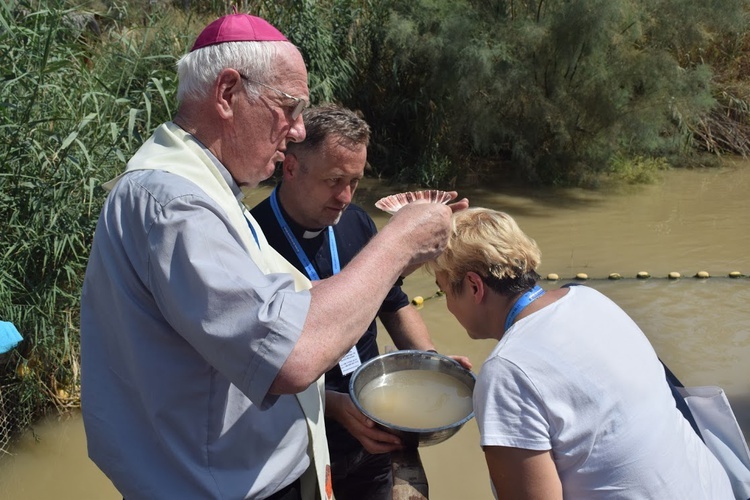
column 198, row 70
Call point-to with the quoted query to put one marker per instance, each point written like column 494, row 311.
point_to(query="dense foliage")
column 72, row 108
column 550, row 91
column 557, row 88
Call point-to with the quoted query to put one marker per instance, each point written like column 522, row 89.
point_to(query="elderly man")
column 201, row 347
column 309, row 219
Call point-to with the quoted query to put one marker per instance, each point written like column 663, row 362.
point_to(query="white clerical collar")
column 308, row 235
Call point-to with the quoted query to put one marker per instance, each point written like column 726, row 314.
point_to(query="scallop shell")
column 394, row 202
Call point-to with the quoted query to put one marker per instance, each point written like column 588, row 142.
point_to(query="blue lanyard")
column 252, row 230
column 525, row 299
column 309, row 269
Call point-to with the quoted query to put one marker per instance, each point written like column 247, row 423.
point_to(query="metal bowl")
column 411, row 360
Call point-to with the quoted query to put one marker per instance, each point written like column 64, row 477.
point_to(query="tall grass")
column 80, row 93
column 72, row 110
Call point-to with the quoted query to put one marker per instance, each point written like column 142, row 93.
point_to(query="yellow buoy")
column 552, row 277
column 674, row 275
column 735, row 274
column 418, row 300
column 582, row 276
column 643, row 275
column 702, row 274
column 615, row 276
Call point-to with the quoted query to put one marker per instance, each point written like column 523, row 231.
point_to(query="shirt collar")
column 308, row 235
column 298, row 230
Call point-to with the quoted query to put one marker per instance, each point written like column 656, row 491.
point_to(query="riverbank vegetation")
column 457, row 91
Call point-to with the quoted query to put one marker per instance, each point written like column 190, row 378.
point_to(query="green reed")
column 80, row 92
column 74, row 105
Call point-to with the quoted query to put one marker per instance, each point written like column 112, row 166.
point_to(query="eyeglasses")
column 300, row 104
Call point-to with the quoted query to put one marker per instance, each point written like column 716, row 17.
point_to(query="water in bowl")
column 416, row 399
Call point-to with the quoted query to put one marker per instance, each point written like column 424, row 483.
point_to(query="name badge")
column 350, row 362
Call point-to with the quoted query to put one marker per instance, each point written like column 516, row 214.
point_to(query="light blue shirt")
column 181, row 338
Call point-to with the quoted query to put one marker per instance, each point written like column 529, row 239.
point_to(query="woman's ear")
column 476, row 286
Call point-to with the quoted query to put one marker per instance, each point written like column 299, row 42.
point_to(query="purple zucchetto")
column 238, row 28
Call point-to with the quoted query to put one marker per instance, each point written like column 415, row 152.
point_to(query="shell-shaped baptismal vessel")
column 394, row 202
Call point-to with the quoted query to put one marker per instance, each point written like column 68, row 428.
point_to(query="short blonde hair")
column 491, row 244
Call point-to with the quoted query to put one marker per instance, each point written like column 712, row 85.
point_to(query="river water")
column 689, row 221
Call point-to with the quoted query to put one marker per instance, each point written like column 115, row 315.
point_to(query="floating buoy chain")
column 642, row 275
column 419, row 301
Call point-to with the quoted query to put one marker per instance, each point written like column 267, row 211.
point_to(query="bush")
column 558, row 87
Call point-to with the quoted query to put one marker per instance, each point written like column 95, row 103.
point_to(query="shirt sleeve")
column 243, row 322
column 396, row 298
column 508, row 408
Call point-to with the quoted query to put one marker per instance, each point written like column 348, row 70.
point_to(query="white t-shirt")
column 580, row 378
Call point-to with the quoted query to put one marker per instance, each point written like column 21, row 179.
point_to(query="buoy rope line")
column 419, row 301
column 643, row 275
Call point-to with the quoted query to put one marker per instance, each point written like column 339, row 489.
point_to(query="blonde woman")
column 572, row 402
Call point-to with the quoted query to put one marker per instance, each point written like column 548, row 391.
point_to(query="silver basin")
column 411, row 360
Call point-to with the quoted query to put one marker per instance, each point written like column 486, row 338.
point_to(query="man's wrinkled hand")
column 374, row 440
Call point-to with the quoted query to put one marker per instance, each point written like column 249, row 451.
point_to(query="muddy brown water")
column 690, row 221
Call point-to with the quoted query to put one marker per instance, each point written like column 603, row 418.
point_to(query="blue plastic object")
column 9, row 336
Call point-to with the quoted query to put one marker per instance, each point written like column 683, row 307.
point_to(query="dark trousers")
column 359, row 475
